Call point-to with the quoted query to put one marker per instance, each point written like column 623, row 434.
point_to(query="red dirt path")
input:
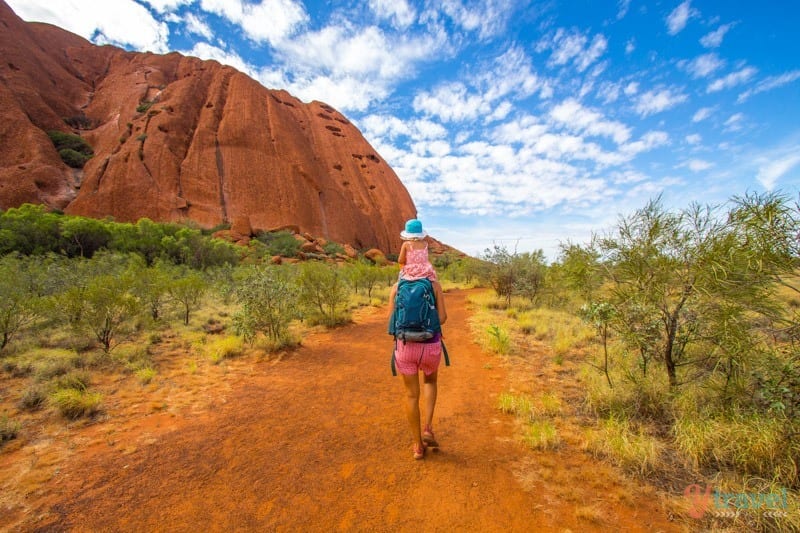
column 318, row 441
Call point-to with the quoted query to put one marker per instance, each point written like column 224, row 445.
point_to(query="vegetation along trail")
column 318, row 441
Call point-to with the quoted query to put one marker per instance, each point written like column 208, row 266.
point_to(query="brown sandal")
column 428, row 438
column 419, row 451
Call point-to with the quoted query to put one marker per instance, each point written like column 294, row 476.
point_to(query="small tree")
column 188, row 290
column 323, row 291
column 697, row 276
column 18, row 303
column 107, row 308
column 501, row 272
column 268, row 302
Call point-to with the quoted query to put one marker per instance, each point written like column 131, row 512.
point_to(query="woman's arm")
column 440, row 307
column 392, row 295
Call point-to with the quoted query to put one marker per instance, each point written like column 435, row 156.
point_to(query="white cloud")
column 678, row 18
column 486, row 17
column 698, row 165
column 702, row 114
column 704, row 65
column 630, row 46
column 734, row 122
column 772, row 170
column 631, row 89
column 198, row 27
column 573, row 46
column 119, row 22
column 575, row 117
column 208, row 51
column 659, row 100
column 714, row 39
column 767, row 84
column 271, row 21
column 622, row 8
column 451, row 102
column 164, row 6
column 398, row 11
column 732, row 80
column 694, row 138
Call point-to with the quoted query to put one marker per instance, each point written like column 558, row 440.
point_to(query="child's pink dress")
column 417, row 265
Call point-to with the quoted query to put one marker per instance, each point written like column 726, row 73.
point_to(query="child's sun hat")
column 413, row 230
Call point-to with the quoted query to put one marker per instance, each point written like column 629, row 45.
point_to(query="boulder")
column 376, row 256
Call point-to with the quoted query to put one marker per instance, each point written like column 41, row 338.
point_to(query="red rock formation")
column 177, row 138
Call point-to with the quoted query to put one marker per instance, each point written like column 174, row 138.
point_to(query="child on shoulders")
column 413, row 258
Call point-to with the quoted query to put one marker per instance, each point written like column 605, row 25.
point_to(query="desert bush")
column 145, row 375
column 225, row 348
column 8, row 428
column 33, row 398
column 269, row 302
column 323, row 292
column 281, row 243
column 498, row 339
column 75, row 403
column 630, row 448
column 19, row 305
column 541, row 435
column 187, row 288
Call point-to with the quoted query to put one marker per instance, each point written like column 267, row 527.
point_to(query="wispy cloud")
column 698, row 165
column 714, row 38
column 487, row 18
column 572, row 46
column 770, row 171
column 767, row 84
column 658, row 100
column 734, row 122
column 702, row 114
column 679, row 17
column 399, row 12
column 575, row 117
column 622, row 8
column 704, row 65
column 733, row 79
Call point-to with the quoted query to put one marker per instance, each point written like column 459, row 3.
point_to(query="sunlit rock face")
column 176, row 138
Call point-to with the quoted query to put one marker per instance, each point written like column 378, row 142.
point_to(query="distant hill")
column 176, row 138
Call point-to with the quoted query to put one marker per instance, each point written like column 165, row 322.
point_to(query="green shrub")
column 324, row 293
column 333, row 248
column 33, row 398
column 269, row 301
column 225, row 348
column 146, row 375
column 8, row 429
column 72, row 149
column 143, row 106
column 73, row 403
column 541, row 435
column 281, row 243
column 76, row 380
column 72, row 158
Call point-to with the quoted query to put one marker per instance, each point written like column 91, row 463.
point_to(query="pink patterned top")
column 417, row 265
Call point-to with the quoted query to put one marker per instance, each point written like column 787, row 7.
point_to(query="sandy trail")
column 319, row 441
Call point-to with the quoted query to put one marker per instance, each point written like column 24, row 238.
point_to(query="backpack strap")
column 394, row 350
column 444, row 351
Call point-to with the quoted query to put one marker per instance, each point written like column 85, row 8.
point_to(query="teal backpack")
column 415, row 318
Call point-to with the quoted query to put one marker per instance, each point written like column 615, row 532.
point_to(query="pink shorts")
column 411, row 357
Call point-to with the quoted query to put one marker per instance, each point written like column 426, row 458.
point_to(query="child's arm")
column 402, row 257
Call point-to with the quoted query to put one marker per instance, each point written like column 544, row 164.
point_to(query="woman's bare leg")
column 412, row 407
column 430, row 388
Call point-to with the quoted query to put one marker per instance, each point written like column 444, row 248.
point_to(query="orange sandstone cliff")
column 176, row 138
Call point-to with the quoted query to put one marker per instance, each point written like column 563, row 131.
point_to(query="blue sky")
column 517, row 123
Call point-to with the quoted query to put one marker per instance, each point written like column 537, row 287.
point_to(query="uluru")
column 179, row 139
